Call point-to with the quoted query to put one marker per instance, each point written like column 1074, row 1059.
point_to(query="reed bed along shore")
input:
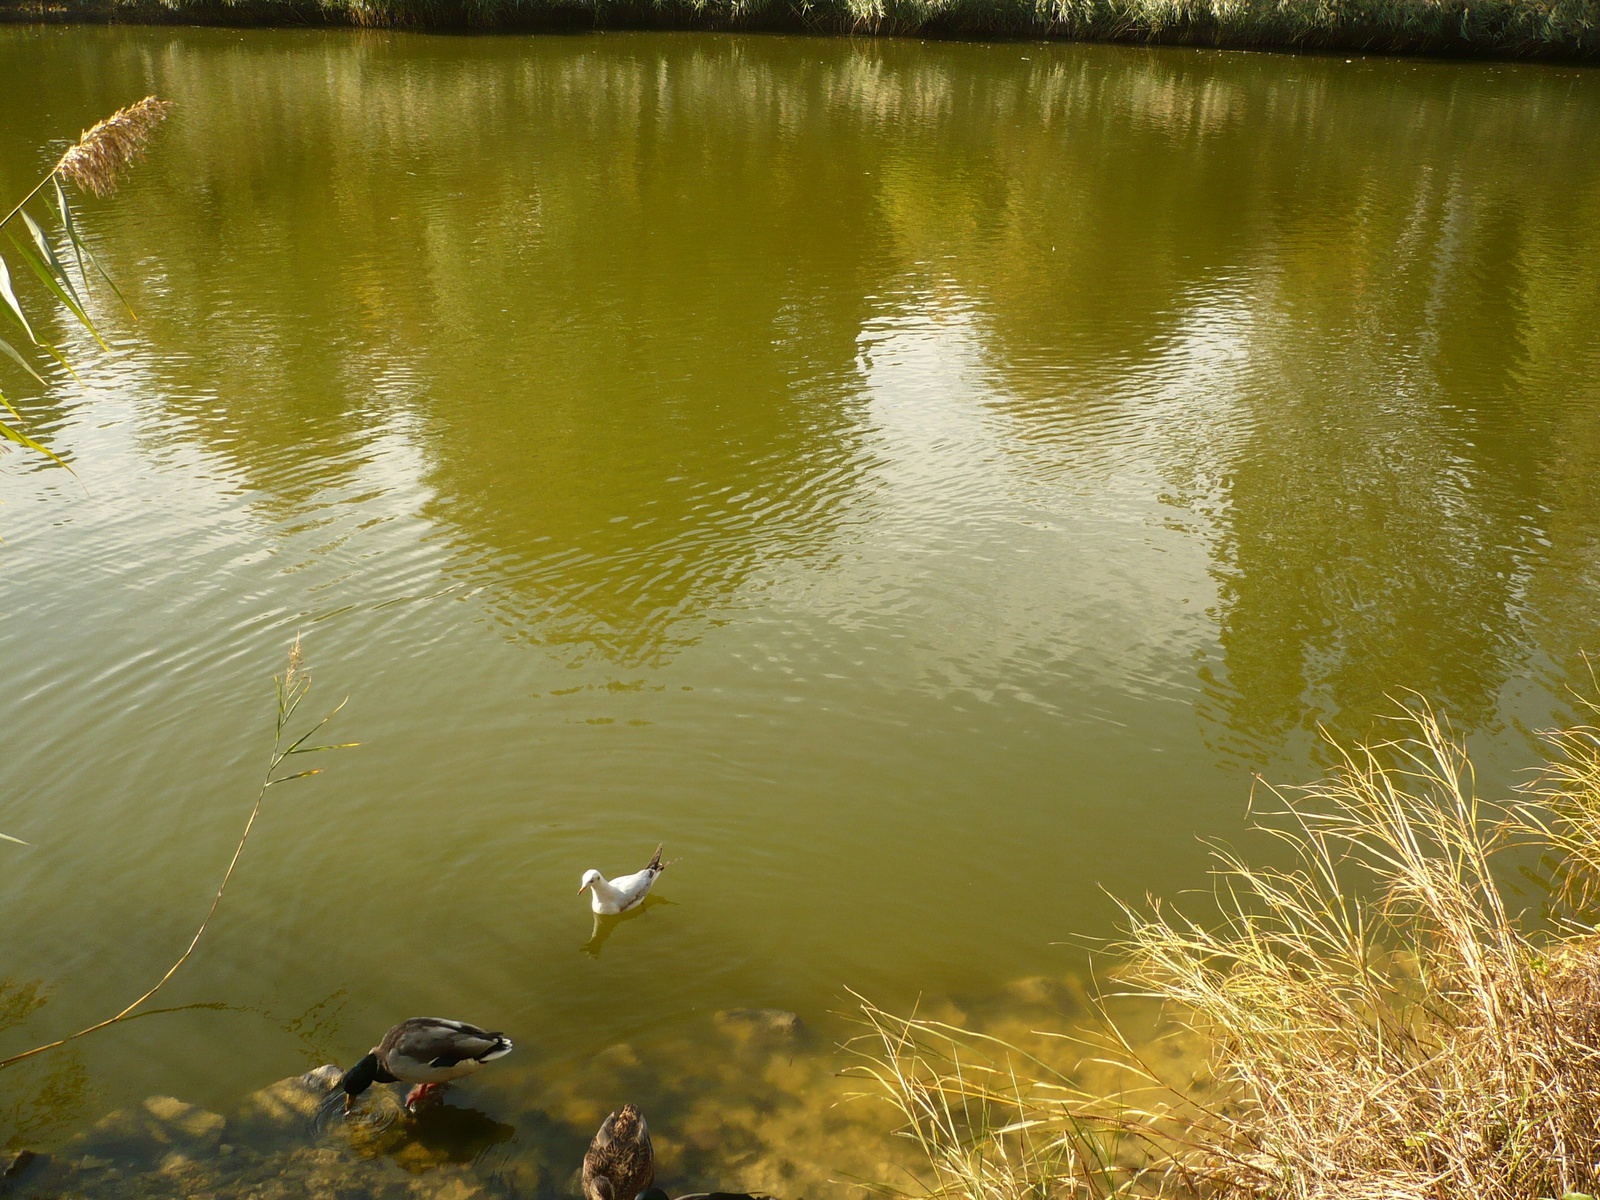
column 1556, row 29
column 1376, row 1019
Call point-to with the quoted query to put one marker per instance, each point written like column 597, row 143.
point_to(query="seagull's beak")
column 581, row 890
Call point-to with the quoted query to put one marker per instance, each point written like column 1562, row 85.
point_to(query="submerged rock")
column 20, row 1162
column 279, row 1147
column 159, row 1125
column 289, row 1102
column 292, row 1140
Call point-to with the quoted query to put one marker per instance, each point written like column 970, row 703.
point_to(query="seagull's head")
column 590, row 878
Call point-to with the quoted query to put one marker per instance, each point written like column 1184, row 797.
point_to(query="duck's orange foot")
column 417, row 1093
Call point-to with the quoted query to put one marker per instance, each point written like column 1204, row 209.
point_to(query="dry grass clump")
column 1377, row 1021
column 996, row 1122
column 1388, row 1028
column 98, row 157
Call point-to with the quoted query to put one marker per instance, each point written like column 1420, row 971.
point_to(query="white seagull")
column 611, row 896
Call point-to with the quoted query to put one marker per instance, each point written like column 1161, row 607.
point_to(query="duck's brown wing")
column 621, row 1156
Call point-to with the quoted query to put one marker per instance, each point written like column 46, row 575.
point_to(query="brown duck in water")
column 620, row 1163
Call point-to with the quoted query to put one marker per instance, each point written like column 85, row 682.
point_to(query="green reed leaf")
column 81, row 248
column 64, row 210
column 10, row 352
column 57, row 355
column 315, row 749
column 106, row 275
column 47, row 252
column 12, row 434
column 47, row 277
column 6, row 837
column 296, row 775
column 10, row 298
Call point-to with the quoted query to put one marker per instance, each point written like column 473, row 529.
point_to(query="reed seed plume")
column 112, row 146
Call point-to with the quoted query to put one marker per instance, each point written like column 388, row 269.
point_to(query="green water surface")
column 918, row 483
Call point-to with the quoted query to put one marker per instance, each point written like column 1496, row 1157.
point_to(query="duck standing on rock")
column 620, row 1162
column 611, row 896
column 426, row 1051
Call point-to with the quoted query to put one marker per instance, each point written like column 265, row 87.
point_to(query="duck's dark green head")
column 651, row 1193
column 360, row 1077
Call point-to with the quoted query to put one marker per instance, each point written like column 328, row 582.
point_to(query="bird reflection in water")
column 603, row 925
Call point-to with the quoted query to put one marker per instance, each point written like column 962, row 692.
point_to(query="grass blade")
column 10, row 352
column 6, row 837
column 110, row 282
column 296, row 775
column 11, row 434
column 47, row 277
column 10, row 298
column 65, row 212
column 287, row 683
column 81, row 249
column 57, row 355
column 49, row 255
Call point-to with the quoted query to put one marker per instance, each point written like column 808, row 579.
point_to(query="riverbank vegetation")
column 1563, row 29
column 1376, row 1019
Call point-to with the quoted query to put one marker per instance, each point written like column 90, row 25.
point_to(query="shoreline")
column 1566, row 31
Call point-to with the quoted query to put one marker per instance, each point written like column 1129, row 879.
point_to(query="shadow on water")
column 437, row 1133
column 457, row 1135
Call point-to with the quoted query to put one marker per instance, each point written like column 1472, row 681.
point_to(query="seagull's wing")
column 630, row 885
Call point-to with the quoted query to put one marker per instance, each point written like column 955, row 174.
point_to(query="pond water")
column 920, row 484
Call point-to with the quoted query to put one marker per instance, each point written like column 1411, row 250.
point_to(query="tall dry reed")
column 1377, row 1021
column 282, row 762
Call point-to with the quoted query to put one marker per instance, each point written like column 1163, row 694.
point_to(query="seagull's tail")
column 656, row 864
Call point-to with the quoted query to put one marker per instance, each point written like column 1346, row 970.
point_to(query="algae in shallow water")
column 753, row 1102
